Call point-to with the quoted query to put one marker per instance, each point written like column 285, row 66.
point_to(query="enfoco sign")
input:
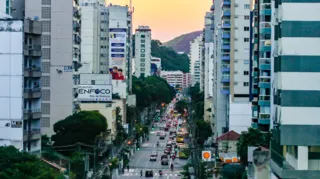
column 95, row 92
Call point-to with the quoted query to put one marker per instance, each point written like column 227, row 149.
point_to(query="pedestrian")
column 141, row 173
column 128, row 168
column 123, row 170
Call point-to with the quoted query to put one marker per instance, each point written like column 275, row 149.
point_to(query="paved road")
column 140, row 160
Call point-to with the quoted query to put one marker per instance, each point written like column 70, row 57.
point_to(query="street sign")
column 206, row 156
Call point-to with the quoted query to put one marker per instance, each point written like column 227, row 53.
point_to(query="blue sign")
column 117, row 44
column 117, row 55
column 117, row 30
column 117, row 50
column 67, row 68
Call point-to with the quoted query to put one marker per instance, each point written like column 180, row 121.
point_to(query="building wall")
column 239, row 117
column 223, row 144
column 11, row 79
column 195, row 55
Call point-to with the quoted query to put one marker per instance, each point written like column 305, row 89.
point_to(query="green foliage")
column 185, row 173
column 254, row 137
column 121, row 133
column 231, row 171
column 82, row 127
column 113, row 163
column 17, row 165
column 152, row 89
column 78, row 165
column 203, row 131
column 197, row 98
column 170, row 60
column 180, row 106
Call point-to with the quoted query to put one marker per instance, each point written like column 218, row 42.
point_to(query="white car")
column 153, row 157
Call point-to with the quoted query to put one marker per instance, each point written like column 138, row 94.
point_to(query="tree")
column 82, row 127
column 203, row 131
column 121, row 133
column 254, row 137
column 16, row 165
column 181, row 106
column 231, row 171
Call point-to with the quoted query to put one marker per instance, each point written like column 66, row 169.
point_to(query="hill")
column 170, row 59
column 182, row 43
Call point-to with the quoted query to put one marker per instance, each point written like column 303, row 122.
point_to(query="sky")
column 168, row 18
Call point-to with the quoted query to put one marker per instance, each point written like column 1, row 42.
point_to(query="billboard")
column 95, row 92
column 117, row 53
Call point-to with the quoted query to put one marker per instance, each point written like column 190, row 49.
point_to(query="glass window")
column 142, row 59
column 246, row 17
column 141, row 69
column 246, row 28
column 245, row 83
column 143, row 46
column 143, row 36
column 143, row 50
column 143, row 41
column 246, row 62
column 246, row 39
column 247, row 6
column 245, row 72
column 142, row 55
column 142, row 64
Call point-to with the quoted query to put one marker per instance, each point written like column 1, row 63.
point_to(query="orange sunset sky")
column 168, row 18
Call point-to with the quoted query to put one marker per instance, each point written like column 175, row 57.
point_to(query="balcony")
column 254, row 125
column 225, row 78
column 264, row 102
column 33, row 134
column 225, row 68
column 32, row 93
column 225, row 90
column 225, row 58
column 226, row 25
column 34, row 72
column 264, row 119
column 264, row 83
column 226, row 3
column 226, row 47
column 265, row 30
column 76, row 26
column 264, row 66
column 226, row 35
column 32, row 114
column 32, row 27
column 255, row 91
column 225, row 14
column 32, row 50
column 265, row 10
column 76, row 39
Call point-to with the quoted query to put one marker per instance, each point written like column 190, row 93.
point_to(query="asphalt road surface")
column 141, row 160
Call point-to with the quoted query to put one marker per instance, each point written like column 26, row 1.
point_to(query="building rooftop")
column 231, row 135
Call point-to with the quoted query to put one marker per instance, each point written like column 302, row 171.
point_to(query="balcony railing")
column 226, row 25
column 34, row 110
column 225, row 57
column 32, row 50
column 226, row 3
column 264, row 116
column 226, row 35
column 225, row 78
column 32, row 27
column 29, row 90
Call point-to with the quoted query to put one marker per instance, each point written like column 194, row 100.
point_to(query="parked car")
column 153, row 157
column 149, row 173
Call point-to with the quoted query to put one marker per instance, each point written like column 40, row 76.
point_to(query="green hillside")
column 170, row 59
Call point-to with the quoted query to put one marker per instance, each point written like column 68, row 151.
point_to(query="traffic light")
column 152, row 127
column 138, row 146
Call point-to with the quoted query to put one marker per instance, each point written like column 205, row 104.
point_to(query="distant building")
column 175, row 78
column 195, row 58
column 143, row 51
column 155, row 66
column 227, row 142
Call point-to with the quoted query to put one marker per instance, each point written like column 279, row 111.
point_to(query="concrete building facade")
column 143, row 51
column 175, row 78
column 195, row 59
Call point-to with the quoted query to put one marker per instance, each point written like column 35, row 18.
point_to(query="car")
column 164, row 156
column 161, row 137
column 153, row 157
column 149, row 173
column 171, row 137
column 167, row 151
column 166, row 129
column 165, row 161
column 158, row 133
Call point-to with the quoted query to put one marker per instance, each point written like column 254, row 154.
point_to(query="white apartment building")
column 231, row 64
column 295, row 145
column 143, row 51
column 196, row 77
column 60, row 46
column 175, row 78
column 5, row 6
column 195, row 55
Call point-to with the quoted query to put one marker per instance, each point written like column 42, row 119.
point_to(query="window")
column 142, row 59
column 245, row 83
column 45, row 81
column 46, row 26
column 45, row 122
column 245, row 72
column 142, row 64
column 143, row 46
column 246, row 17
column 45, row 67
column 142, row 55
column 246, row 62
column 46, row 12
column 141, row 69
column 45, row 94
column 143, row 41
column 143, row 36
column 45, row 108
column 143, row 50
column 45, row 53
column 46, row 2
column 46, row 40
column 246, row 39
column 246, row 28
column 247, row 6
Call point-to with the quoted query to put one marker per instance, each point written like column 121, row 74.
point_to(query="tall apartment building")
column 295, row 145
column 260, row 59
column 60, row 47
column 20, row 73
column 143, row 51
column 195, row 57
column 231, row 106
column 175, row 78
column 197, row 73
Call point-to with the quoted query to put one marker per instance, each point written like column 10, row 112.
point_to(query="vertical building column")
column 302, row 161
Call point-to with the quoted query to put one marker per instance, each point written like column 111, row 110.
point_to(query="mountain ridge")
column 182, row 42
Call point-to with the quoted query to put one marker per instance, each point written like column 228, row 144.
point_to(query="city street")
column 141, row 160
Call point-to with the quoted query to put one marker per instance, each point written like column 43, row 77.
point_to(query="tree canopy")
column 170, row 60
column 16, row 165
column 180, row 106
column 204, row 131
column 254, row 137
column 151, row 89
column 82, row 127
column 197, row 98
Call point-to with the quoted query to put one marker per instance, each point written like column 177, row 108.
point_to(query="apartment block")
column 177, row 78
column 260, row 59
column 5, row 7
column 295, row 145
column 60, row 47
column 143, row 51
column 195, row 58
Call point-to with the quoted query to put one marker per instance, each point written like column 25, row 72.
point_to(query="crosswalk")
column 153, row 145
column 136, row 172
